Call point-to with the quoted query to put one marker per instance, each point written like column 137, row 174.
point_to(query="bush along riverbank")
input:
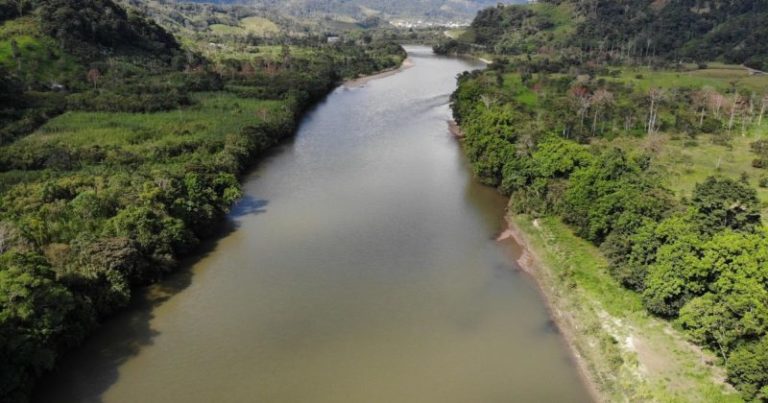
column 653, row 255
column 123, row 174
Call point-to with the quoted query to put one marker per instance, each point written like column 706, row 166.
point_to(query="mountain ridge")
column 434, row 10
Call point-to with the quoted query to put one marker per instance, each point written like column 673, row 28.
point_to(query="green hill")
column 433, row 10
column 635, row 30
column 49, row 48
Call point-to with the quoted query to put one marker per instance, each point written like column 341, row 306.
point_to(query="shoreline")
column 621, row 353
column 455, row 129
column 145, row 294
column 531, row 264
column 358, row 82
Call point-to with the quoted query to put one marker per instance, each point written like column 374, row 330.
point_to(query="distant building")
column 334, row 39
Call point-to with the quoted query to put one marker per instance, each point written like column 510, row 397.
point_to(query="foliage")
column 119, row 152
column 700, row 261
column 628, row 31
column 34, row 319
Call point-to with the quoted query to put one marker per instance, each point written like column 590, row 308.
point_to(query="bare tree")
column 701, row 101
column 656, row 95
column 20, row 6
column 600, row 99
column 762, row 110
column 489, row 100
column 734, row 107
column 583, row 100
column 93, row 76
column 16, row 53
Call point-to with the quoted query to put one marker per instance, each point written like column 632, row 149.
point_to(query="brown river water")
column 361, row 266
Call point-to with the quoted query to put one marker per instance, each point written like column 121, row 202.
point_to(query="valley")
column 370, row 200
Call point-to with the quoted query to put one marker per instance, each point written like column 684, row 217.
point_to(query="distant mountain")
column 432, row 10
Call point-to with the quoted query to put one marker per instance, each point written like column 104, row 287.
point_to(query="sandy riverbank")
column 622, row 353
column 455, row 129
column 361, row 81
column 530, row 263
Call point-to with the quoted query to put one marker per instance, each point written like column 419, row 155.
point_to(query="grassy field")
column 630, row 355
column 259, row 26
column 718, row 76
column 523, row 94
column 562, row 16
column 162, row 138
column 214, row 115
column 455, row 33
column 684, row 162
column 269, row 52
column 222, row 29
column 34, row 51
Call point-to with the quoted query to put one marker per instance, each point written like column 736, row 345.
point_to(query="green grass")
column 203, row 126
column 455, row 33
column 721, row 78
column 250, row 25
column 41, row 58
column 213, row 116
column 522, row 94
column 268, row 52
column 562, row 16
column 259, row 26
column 630, row 355
column 222, row 29
column 684, row 162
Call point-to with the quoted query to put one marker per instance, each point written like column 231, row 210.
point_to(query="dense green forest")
column 625, row 32
column 662, row 166
column 119, row 149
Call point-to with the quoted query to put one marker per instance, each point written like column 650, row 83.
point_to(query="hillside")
column 47, row 48
column 638, row 31
column 431, row 10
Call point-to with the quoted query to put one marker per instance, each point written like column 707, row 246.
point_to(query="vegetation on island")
column 120, row 148
column 623, row 122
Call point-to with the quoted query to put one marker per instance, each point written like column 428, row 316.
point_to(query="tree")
column 656, row 96
column 675, row 276
column 21, row 5
column 601, row 99
column 582, row 99
column 614, row 189
column 16, row 54
column 34, row 312
column 94, row 76
column 748, row 369
column 725, row 203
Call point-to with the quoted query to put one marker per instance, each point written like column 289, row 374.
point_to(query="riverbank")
column 363, row 80
column 179, row 172
column 623, row 353
column 310, row 283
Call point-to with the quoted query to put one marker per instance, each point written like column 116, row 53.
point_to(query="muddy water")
column 360, row 267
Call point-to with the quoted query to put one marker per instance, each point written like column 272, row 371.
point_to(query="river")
column 361, row 266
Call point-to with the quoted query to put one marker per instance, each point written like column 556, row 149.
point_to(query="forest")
column 120, row 150
column 661, row 165
column 629, row 32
